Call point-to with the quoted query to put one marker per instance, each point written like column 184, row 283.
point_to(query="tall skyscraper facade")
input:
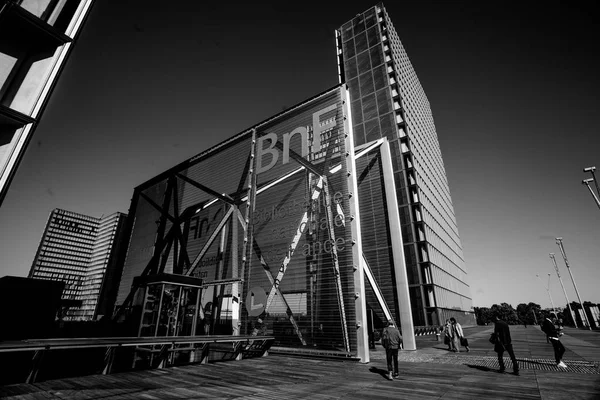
column 36, row 37
column 83, row 252
column 388, row 101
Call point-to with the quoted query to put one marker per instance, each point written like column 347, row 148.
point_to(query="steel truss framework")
column 170, row 243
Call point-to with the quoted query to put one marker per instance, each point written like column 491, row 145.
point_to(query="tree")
column 483, row 315
column 506, row 313
column 529, row 313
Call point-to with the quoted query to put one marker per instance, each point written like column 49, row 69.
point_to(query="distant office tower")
column 388, row 101
column 35, row 40
column 83, row 252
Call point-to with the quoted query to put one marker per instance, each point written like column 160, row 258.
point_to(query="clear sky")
column 513, row 87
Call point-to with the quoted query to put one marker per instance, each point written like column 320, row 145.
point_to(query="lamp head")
column 587, row 181
column 589, row 169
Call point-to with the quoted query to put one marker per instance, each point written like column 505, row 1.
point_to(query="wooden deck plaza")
column 431, row 372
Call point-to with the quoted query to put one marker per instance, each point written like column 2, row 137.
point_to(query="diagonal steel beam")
column 292, row 247
column 159, row 208
column 376, row 289
column 289, row 312
column 224, row 197
column 211, row 239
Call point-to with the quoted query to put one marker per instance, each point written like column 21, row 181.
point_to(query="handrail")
column 78, row 343
column 168, row 345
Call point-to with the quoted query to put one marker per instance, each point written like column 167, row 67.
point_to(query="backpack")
column 385, row 338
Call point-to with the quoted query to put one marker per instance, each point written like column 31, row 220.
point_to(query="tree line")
column 530, row 314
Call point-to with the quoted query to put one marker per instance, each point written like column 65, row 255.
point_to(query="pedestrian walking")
column 448, row 334
column 553, row 335
column 504, row 342
column 458, row 336
column 391, row 339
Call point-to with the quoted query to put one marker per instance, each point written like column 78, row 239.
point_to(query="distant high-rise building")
column 35, row 40
column 83, row 252
column 388, row 101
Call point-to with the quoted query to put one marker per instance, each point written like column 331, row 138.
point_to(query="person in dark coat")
column 391, row 339
column 552, row 334
column 504, row 342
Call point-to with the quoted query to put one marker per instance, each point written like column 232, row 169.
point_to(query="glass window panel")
column 388, row 127
column 369, row 107
column 350, row 68
column 360, row 41
column 370, row 18
column 354, row 91
column 359, row 25
column 380, row 77
column 384, row 101
column 373, row 36
column 359, row 134
column 348, row 48
column 357, row 112
column 6, row 65
column 36, row 7
column 376, row 55
column 372, row 131
column 363, row 62
column 347, row 31
column 32, row 86
column 366, row 83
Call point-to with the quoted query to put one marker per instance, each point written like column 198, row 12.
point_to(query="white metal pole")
column 564, row 254
column 563, row 288
column 548, row 290
column 586, row 182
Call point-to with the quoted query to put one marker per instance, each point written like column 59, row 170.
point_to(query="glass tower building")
column 83, row 252
column 36, row 37
column 388, row 101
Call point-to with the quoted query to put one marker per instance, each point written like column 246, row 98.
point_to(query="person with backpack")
column 552, row 334
column 503, row 342
column 391, row 339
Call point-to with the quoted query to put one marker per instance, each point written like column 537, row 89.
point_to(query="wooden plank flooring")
column 422, row 376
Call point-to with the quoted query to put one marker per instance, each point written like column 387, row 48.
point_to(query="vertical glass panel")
column 384, row 101
column 370, row 18
column 360, row 41
column 36, row 7
column 376, row 55
column 31, row 86
column 366, row 83
column 373, row 36
column 354, row 89
column 372, row 131
column 359, row 134
column 359, row 25
column 8, row 139
column 348, row 48
column 363, row 62
column 347, row 31
column 357, row 117
column 388, row 127
column 380, row 77
column 6, row 65
column 369, row 107
column 350, row 68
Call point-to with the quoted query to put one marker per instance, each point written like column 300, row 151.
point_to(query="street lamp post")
column 563, row 288
column 548, row 290
column 564, row 255
column 592, row 170
column 586, row 182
